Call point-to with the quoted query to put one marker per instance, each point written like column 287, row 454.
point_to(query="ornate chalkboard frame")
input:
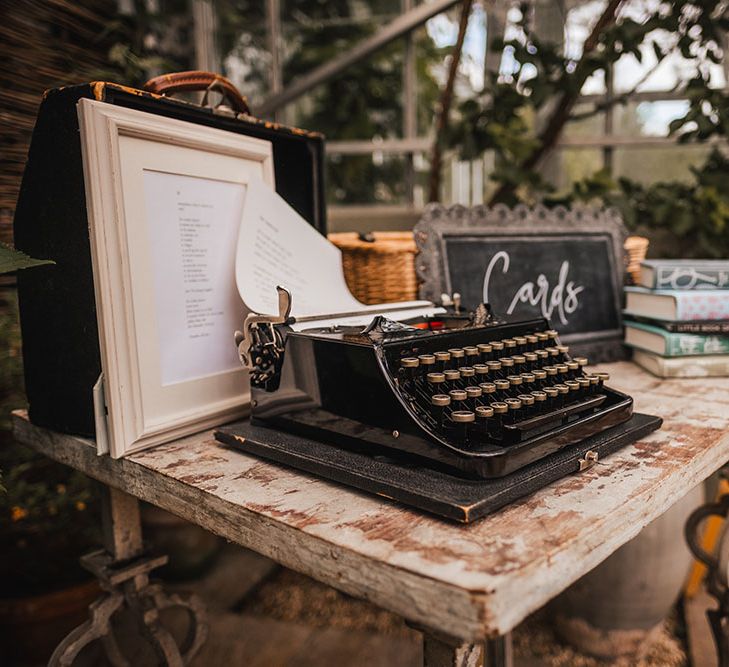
column 439, row 223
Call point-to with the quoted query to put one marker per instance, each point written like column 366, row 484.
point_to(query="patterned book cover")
column 678, row 304
column 660, row 341
column 713, row 327
column 688, row 367
column 685, row 274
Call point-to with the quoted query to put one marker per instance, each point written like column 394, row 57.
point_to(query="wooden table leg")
column 438, row 652
column 122, row 569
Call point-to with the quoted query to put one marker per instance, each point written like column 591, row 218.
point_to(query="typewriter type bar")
column 484, row 399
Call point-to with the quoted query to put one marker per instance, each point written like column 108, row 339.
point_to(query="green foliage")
column 501, row 119
column 13, row 260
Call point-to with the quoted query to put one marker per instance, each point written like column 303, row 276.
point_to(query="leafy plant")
column 12, row 259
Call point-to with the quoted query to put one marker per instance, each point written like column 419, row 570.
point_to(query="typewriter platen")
column 475, row 394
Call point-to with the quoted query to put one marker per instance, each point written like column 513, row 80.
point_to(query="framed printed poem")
column 165, row 201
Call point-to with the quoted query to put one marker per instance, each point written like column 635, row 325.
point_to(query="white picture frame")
column 163, row 379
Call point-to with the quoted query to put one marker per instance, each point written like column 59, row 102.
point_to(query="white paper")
column 193, row 227
column 276, row 246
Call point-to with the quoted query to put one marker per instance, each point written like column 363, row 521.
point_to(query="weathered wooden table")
column 465, row 586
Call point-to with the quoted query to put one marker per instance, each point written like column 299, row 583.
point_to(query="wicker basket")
column 380, row 268
column 636, row 248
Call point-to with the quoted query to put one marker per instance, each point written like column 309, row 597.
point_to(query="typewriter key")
column 531, row 341
column 528, row 380
column 484, row 415
column 502, row 387
column 515, row 383
column 521, row 342
column 457, row 396
column 574, row 388
column 584, row 385
column 457, row 356
column 509, row 344
column 500, row 412
column 515, row 409
column 582, row 361
column 442, row 359
column 563, row 390
column 527, row 402
column 519, row 363
column 540, row 400
column 471, row 353
column 542, row 355
column 574, row 369
column 594, row 383
column 494, row 369
column 602, row 379
column 562, row 370
column 468, row 375
column 434, row 379
column 552, row 397
column 542, row 337
column 563, row 350
column 409, row 366
column 473, row 393
column 484, row 350
column 453, row 377
column 462, row 419
column 438, row 404
column 540, row 377
column 552, row 334
column 482, row 372
column 531, row 360
column 507, row 363
column 488, row 388
column 497, row 345
column 426, row 360
column 553, row 353
column 551, row 372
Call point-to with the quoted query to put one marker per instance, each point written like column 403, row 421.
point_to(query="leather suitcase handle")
column 176, row 82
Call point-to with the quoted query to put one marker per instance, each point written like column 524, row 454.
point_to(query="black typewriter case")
column 356, row 402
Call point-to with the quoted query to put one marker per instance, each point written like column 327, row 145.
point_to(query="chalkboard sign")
column 563, row 264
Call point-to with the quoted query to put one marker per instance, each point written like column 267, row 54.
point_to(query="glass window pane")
column 648, row 164
column 647, row 119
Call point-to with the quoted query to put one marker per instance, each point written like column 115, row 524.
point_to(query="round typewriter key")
column 484, row 412
column 540, row 377
column 563, row 390
column 482, row 371
column 551, row 371
column 485, row 350
column 562, row 369
column 506, row 362
column 494, row 368
column 514, row 380
column 531, row 340
column 499, row 407
column 457, row 395
column 519, row 362
column 438, row 403
column 602, row 378
column 552, row 334
column 488, row 387
column 515, row 408
column 572, row 385
column 594, row 383
column 531, row 360
column 463, row 416
column 471, row 351
column 435, row 378
column 452, row 376
column 552, row 396
column 542, row 337
column 442, row 359
column 542, row 355
column 563, row 349
column 426, row 359
column 468, row 374
column 540, row 400
column 574, row 369
column 502, row 386
column 527, row 379
column 527, row 402
column 553, row 352
column 520, row 340
column 582, row 361
column 457, row 356
column 509, row 344
column 497, row 345
column 409, row 366
column 473, row 392
column 584, row 385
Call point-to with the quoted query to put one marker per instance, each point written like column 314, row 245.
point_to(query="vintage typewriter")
column 467, row 392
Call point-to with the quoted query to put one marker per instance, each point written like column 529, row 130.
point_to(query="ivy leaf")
column 12, row 259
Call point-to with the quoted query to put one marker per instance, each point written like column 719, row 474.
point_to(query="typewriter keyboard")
column 499, row 392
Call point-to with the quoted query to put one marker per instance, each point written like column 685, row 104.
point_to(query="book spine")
column 702, row 305
column 690, row 277
column 686, row 345
column 698, row 327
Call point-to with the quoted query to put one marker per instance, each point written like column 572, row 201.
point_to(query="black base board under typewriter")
column 433, row 490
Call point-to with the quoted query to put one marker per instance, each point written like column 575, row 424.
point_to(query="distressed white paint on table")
column 466, row 581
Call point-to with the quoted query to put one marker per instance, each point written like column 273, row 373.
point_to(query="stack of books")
column 677, row 320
